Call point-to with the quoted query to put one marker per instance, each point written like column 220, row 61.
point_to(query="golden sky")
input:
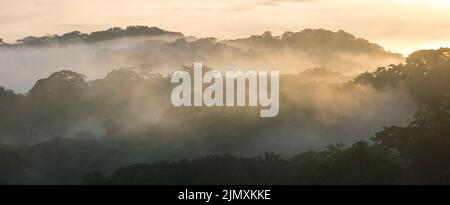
column 398, row 25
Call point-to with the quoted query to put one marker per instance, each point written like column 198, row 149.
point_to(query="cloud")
column 247, row 7
column 276, row 2
column 253, row 5
column 73, row 26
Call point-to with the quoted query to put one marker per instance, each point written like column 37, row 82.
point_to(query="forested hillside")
column 70, row 130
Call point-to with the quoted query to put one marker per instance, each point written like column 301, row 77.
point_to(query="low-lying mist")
column 105, row 98
column 134, row 104
column 98, row 53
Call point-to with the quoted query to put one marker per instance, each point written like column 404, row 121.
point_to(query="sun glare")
column 438, row 3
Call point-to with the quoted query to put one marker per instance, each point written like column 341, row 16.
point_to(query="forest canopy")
column 69, row 130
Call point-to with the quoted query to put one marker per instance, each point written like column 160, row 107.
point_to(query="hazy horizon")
column 399, row 26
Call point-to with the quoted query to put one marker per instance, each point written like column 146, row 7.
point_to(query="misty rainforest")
column 94, row 108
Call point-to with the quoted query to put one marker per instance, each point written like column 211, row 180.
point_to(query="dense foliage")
column 67, row 130
column 416, row 154
column 78, row 37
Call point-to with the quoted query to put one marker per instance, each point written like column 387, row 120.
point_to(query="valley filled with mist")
column 95, row 109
